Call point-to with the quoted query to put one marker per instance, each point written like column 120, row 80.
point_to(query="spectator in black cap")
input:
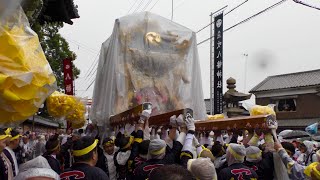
column 143, row 153
column 66, row 150
column 52, row 150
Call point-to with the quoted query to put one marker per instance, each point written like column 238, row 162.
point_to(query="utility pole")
column 211, row 68
column 245, row 55
column 33, row 123
column 171, row 10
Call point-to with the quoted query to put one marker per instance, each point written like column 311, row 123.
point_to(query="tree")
column 55, row 47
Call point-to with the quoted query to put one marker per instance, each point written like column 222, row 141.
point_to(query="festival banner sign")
column 218, row 64
column 68, row 77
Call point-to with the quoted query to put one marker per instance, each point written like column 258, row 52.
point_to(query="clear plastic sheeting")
column 38, row 167
column 8, row 7
column 26, row 78
column 148, row 59
column 70, row 108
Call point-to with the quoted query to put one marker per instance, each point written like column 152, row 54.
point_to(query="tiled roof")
column 286, row 81
column 43, row 121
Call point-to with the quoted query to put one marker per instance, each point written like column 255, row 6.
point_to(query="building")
column 40, row 125
column 207, row 103
column 296, row 97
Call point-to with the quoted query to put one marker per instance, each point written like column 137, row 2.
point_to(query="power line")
column 83, row 85
column 87, row 78
column 90, row 84
column 257, row 14
column 145, row 7
column 224, row 15
column 83, row 91
column 154, row 5
column 90, row 80
column 90, row 73
column 91, row 66
column 180, row 4
column 249, row 18
column 236, row 7
column 212, row 14
column 132, row 6
column 82, row 45
column 139, row 5
column 305, row 4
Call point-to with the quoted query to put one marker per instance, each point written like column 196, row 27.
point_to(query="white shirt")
column 26, row 149
column 218, row 162
column 14, row 159
column 111, row 166
column 65, row 139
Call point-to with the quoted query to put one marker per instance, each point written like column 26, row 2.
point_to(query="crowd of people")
column 176, row 152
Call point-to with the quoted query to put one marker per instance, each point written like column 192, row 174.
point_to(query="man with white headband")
column 106, row 161
column 85, row 156
column 236, row 169
column 159, row 154
column 253, row 160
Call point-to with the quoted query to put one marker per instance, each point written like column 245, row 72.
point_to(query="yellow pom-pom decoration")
column 262, row 110
column 60, row 105
column 215, row 117
column 26, row 78
column 78, row 113
column 70, row 108
column 78, row 124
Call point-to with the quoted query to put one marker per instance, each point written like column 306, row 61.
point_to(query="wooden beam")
column 223, row 124
column 132, row 115
column 129, row 116
column 164, row 119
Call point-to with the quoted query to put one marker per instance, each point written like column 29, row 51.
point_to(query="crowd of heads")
column 173, row 153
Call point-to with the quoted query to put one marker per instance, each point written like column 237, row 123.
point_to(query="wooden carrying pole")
column 133, row 115
column 224, row 124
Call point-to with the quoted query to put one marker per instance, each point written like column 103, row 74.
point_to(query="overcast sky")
column 283, row 40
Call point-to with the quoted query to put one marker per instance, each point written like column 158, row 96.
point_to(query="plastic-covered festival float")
column 147, row 59
column 150, row 62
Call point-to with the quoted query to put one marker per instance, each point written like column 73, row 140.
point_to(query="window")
column 286, row 105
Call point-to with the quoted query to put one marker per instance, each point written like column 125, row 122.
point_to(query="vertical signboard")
column 68, row 77
column 218, row 64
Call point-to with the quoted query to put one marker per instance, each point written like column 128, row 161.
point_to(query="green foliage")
column 32, row 8
column 56, row 48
